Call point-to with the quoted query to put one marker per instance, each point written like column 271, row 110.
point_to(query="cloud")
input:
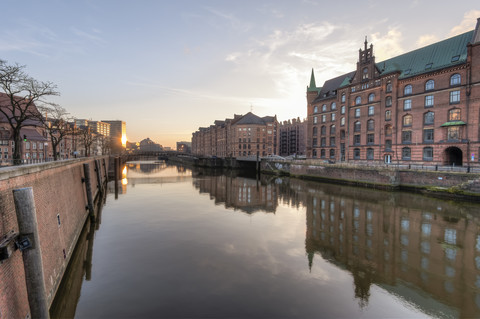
column 235, row 23
column 426, row 39
column 387, row 45
column 468, row 23
column 89, row 36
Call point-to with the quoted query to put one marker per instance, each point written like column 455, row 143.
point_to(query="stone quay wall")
column 61, row 204
column 454, row 184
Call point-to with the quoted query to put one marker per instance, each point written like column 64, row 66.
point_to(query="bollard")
column 32, row 256
column 88, row 188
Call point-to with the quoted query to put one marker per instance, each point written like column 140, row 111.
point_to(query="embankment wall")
column 61, row 208
column 454, row 184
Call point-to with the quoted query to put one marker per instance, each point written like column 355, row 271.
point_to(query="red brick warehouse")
column 421, row 107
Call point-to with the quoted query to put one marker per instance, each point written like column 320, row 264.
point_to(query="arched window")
column 428, row 154
column 358, row 100
column 365, row 73
column 333, row 107
column 356, row 153
column 323, row 130
column 430, row 85
column 388, row 115
column 388, row 130
column 371, row 97
column 370, row 154
column 407, row 120
column 343, row 97
column 407, row 90
column 429, row 118
column 357, row 126
column 406, row 153
column 322, row 153
column 324, row 107
column 388, row 101
column 315, row 130
column 454, row 115
column 455, row 79
column 370, row 125
column 332, row 130
column 315, row 109
column 389, row 86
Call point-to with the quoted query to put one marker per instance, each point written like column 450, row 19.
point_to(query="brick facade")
column 421, row 107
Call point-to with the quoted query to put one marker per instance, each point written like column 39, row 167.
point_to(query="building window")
column 314, row 154
column 453, row 133
column 370, row 154
column 315, row 130
column 388, row 145
column 389, row 87
column 388, row 101
column 454, row 115
column 371, row 110
column 332, row 117
column 407, row 90
column 324, row 118
column 356, row 153
column 430, row 85
column 332, row 141
column 428, row 153
column 323, row 141
column 27, row 145
column 356, row 139
column 343, row 97
column 324, row 107
column 454, row 97
column 429, row 118
column 332, row 153
column 342, row 121
column 357, row 112
column 322, row 153
column 342, row 134
column 406, row 137
column 323, row 130
column 315, row 109
column 406, row 153
column 365, row 74
column 428, row 136
column 357, row 126
column 407, row 105
column 334, row 106
column 370, row 139
column 388, row 130
column 370, row 125
column 371, row 97
column 314, row 120
column 455, row 80
column 314, row 142
column 388, row 115
column 407, row 120
column 332, row 130
column 429, row 101
column 358, row 100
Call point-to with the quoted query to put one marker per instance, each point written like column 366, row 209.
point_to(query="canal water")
column 177, row 243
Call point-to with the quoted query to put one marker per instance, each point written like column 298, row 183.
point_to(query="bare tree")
column 18, row 103
column 55, row 121
column 87, row 137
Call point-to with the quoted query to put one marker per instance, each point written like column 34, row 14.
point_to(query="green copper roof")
column 436, row 56
column 454, row 123
column 313, row 87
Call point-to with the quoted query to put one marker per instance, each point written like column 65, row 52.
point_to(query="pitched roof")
column 251, row 118
column 439, row 55
column 5, row 105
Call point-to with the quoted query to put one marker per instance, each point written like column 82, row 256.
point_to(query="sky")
column 167, row 68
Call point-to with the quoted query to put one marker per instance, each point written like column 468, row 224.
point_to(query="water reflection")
column 319, row 247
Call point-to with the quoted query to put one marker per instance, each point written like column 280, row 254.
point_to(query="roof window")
column 455, row 58
column 407, row 72
column 428, row 66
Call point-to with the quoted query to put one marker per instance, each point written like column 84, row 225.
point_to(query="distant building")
column 292, row 137
column 244, row 135
column 118, row 134
column 147, row 145
column 419, row 107
column 184, row 147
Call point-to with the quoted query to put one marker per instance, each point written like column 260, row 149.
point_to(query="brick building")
column 244, row 135
column 292, row 137
column 421, row 107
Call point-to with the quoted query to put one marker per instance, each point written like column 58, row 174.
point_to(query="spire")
column 312, row 81
column 476, row 33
